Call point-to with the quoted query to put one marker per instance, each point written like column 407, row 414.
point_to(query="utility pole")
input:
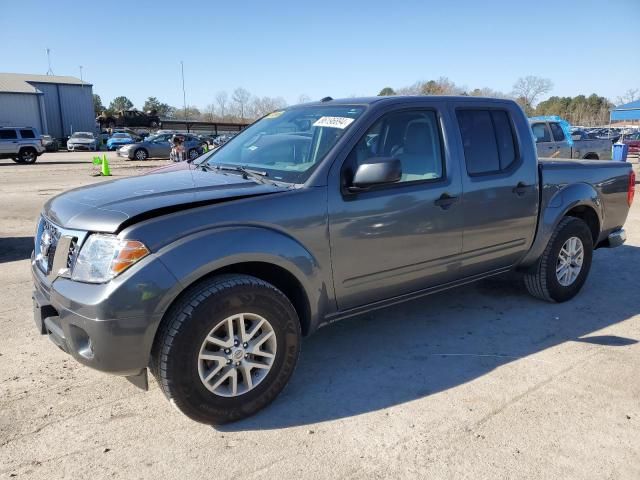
column 81, row 81
column 184, row 95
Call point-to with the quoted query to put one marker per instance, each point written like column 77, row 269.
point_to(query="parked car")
column 129, row 118
column 159, row 146
column 82, row 141
column 117, row 140
column 633, row 140
column 210, row 272
column 50, row 144
column 21, row 144
column 551, row 142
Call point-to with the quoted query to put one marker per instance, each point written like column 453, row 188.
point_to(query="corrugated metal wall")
column 69, row 108
column 20, row 109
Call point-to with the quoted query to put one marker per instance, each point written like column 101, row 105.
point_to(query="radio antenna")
column 50, row 71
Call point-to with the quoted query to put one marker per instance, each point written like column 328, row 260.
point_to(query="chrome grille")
column 56, row 248
column 47, row 240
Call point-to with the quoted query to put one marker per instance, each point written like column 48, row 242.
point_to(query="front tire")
column 227, row 348
column 564, row 265
column 140, row 154
column 28, row 155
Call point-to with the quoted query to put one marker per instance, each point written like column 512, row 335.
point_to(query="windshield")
column 120, row 135
column 288, row 144
column 82, row 135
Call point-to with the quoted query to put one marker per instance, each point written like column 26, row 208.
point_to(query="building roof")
column 628, row 111
column 22, row 82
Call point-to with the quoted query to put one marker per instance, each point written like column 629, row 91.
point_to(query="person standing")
column 177, row 149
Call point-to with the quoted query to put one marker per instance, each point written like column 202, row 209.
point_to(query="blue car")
column 119, row 139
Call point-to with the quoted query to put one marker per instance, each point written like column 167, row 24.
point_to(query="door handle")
column 445, row 201
column 520, row 189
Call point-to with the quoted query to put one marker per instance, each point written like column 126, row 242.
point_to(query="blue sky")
column 318, row 48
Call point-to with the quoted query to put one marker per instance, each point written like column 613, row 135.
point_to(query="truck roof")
column 406, row 99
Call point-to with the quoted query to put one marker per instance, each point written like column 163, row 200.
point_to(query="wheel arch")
column 579, row 200
column 263, row 253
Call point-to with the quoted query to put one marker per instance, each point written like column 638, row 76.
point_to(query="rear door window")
column 488, row 140
column 8, row 135
column 558, row 133
column 27, row 134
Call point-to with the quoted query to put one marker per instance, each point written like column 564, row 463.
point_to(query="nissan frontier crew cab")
column 208, row 273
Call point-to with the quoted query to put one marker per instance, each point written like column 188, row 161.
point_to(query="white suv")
column 22, row 144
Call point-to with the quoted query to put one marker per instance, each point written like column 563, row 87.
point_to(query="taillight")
column 631, row 191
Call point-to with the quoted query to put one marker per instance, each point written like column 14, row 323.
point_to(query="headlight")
column 103, row 257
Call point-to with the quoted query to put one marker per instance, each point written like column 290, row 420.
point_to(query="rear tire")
column 545, row 280
column 188, row 326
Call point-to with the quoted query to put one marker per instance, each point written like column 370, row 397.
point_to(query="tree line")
column 240, row 106
column 527, row 91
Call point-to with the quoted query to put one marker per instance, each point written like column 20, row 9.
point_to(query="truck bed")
column 608, row 180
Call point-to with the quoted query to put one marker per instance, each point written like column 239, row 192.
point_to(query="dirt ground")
column 481, row 382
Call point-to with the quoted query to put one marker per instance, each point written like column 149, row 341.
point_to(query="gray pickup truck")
column 551, row 141
column 208, row 273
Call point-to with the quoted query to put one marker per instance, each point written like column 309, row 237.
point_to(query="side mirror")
column 376, row 171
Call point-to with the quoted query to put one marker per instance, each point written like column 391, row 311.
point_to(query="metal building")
column 56, row 105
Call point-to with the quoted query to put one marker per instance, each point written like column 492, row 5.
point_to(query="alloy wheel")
column 237, row 354
column 569, row 262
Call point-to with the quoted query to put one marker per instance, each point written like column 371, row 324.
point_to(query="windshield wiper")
column 256, row 175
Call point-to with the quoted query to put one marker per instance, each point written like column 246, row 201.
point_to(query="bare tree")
column 629, row 96
column 304, row 98
column 222, row 99
column 528, row 90
column 259, row 107
column 209, row 113
column 240, row 98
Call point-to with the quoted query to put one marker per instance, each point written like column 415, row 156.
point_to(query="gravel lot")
column 478, row 382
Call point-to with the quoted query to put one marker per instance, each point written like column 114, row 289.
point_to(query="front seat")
column 418, row 156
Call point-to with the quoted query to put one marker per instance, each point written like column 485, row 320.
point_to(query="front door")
column 402, row 237
column 545, row 145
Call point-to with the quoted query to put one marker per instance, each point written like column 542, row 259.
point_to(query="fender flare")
column 198, row 255
column 561, row 203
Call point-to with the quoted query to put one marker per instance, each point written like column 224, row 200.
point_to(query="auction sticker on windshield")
column 333, row 122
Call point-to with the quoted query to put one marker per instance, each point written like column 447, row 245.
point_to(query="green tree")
column 578, row 110
column 120, row 103
column 161, row 109
column 387, row 92
column 98, row 108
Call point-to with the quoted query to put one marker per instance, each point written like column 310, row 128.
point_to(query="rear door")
column 400, row 237
column 562, row 145
column 544, row 142
column 500, row 185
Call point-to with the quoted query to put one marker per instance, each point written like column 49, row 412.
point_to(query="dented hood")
column 110, row 206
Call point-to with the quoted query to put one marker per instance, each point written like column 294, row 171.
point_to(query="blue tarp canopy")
column 628, row 111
